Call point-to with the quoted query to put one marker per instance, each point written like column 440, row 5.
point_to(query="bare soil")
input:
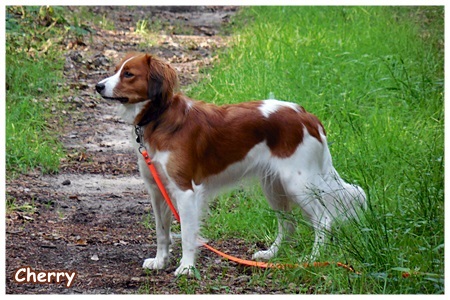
column 94, row 216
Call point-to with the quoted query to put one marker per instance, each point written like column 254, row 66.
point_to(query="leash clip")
column 139, row 136
column 141, row 149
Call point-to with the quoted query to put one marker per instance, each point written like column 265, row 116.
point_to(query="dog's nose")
column 100, row 87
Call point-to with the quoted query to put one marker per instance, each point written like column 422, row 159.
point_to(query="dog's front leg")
column 190, row 207
column 163, row 218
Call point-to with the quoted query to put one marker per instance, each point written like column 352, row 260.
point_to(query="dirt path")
column 94, row 217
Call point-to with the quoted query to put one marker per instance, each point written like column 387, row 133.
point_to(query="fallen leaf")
column 81, row 242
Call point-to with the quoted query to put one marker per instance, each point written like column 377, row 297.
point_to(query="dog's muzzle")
column 100, row 88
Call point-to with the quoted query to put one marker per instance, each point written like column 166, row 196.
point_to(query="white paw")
column 263, row 255
column 185, row 270
column 154, row 263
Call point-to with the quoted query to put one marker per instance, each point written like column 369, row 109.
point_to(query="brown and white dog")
column 198, row 148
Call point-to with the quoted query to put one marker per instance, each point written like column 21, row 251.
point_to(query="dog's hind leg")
column 280, row 202
column 163, row 219
column 322, row 227
column 310, row 199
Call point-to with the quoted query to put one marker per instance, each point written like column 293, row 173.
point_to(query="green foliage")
column 142, row 27
column 374, row 76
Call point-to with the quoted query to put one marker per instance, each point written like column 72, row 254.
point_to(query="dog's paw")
column 263, row 255
column 188, row 270
column 154, row 264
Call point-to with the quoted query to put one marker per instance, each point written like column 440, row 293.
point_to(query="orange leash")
column 159, row 183
column 245, row 262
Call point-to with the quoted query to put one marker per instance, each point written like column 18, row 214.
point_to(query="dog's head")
column 140, row 77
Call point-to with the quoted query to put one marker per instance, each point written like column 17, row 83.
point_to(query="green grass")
column 374, row 76
column 34, row 85
column 29, row 142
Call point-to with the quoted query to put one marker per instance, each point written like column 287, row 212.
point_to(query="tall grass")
column 374, row 76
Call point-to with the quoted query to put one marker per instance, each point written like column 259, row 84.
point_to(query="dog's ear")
column 162, row 81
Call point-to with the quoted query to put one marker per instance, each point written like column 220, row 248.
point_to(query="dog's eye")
column 127, row 74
